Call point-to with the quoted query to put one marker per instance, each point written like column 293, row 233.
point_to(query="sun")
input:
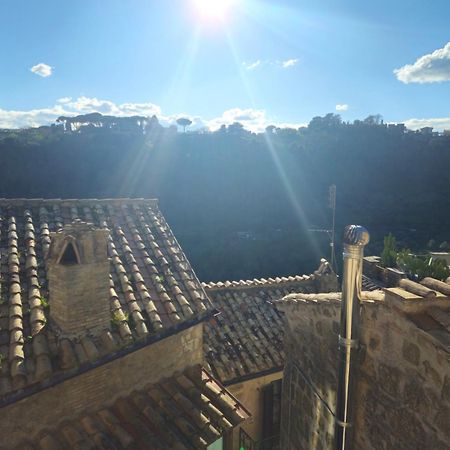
column 213, row 9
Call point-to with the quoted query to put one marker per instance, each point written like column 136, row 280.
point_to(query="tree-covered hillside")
column 240, row 203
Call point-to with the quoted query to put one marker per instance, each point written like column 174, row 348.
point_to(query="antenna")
column 332, row 201
column 330, row 233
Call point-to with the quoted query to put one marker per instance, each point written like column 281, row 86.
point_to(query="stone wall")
column 100, row 386
column 250, row 395
column 403, row 393
column 309, row 382
column 402, row 399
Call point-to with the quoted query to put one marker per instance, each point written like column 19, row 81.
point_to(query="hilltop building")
column 244, row 348
column 101, row 332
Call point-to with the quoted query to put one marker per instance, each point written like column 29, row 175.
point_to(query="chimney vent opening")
column 69, row 255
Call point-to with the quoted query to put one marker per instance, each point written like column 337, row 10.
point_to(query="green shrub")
column 419, row 267
column 389, row 253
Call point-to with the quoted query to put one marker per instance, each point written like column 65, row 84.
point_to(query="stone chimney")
column 78, row 274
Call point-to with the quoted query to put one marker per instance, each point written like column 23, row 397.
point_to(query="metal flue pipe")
column 355, row 238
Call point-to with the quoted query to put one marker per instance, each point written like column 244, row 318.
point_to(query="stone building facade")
column 402, row 396
column 101, row 332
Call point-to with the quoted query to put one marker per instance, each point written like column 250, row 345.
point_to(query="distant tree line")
column 241, row 203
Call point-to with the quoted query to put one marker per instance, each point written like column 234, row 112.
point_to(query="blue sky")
column 261, row 62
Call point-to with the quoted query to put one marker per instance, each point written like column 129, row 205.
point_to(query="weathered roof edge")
column 323, row 269
column 35, row 388
column 324, row 298
column 252, row 376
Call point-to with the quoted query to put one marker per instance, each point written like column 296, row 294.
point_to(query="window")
column 245, row 441
column 271, row 415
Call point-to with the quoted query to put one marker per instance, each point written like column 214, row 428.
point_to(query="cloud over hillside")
column 431, row 68
column 252, row 119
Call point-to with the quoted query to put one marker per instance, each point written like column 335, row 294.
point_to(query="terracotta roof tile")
column 187, row 411
column 153, row 287
column 246, row 338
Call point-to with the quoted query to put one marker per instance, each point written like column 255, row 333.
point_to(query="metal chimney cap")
column 356, row 235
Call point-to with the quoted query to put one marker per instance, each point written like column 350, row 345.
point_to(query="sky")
column 219, row 61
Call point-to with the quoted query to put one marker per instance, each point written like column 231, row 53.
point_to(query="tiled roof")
column 246, row 338
column 295, row 299
column 153, row 288
column 187, row 411
column 265, row 283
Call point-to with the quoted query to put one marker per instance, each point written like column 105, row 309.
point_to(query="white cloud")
column 342, row 107
column 85, row 105
column 252, row 65
column 41, row 69
column 430, row 68
column 252, row 119
column 255, row 120
column 249, row 65
column 439, row 124
column 289, row 63
column 64, row 100
column 67, row 106
column 31, row 118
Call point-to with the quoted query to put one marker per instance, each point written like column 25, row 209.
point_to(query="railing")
column 247, row 443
